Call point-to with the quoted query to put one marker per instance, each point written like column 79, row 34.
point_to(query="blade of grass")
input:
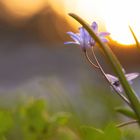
column 127, row 123
column 135, row 38
column 126, row 112
column 115, row 65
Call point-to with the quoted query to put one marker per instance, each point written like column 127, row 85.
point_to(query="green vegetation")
column 32, row 120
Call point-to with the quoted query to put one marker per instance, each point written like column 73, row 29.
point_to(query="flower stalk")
column 89, row 60
column 103, row 73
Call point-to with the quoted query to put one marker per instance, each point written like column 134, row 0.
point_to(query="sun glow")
column 116, row 15
column 119, row 16
column 113, row 15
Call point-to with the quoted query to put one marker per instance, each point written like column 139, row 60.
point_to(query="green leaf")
column 111, row 132
column 33, row 119
column 6, row 121
column 2, row 138
column 60, row 118
column 135, row 38
column 126, row 112
column 91, row 133
column 65, row 134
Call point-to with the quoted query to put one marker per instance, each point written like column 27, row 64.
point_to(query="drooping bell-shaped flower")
column 116, row 83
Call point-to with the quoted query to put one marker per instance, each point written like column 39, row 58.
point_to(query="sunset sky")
column 114, row 15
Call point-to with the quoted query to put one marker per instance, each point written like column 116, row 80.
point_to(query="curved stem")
column 89, row 60
column 127, row 123
column 103, row 73
column 116, row 66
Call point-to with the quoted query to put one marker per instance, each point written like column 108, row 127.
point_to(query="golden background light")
column 113, row 15
column 23, row 7
column 116, row 15
column 88, row 10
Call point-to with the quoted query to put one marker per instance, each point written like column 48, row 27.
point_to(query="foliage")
column 31, row 121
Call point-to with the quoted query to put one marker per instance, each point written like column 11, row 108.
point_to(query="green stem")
column 115, row 65
column 127, row 123
column 135, row 38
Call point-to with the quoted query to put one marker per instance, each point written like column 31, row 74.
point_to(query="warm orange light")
column 87, row 9
column 23, row 7
column 116, row 15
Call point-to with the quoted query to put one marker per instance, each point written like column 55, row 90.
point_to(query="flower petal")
column 131, row 76
column 104, row 40
column 85, row 38
column 74, row 36
column 119, row 89
column 111, row 78
column 94, row 26
column 103, row 34
column 70, row 42
column 83, row 33
column 92, row 42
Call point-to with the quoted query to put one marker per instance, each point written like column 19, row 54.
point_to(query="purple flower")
column 84, row 39
column 101, row 35
column 116, row 83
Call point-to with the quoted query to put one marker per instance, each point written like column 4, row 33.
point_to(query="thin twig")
column 103, row 73
column 127, row 123
column 89, row 60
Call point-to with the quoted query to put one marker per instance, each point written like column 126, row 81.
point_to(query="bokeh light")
column 119, row 15
column 116, row 16
column 113, row 16
column 23, row 8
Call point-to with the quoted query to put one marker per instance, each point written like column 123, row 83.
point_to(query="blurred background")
column 34, row 62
